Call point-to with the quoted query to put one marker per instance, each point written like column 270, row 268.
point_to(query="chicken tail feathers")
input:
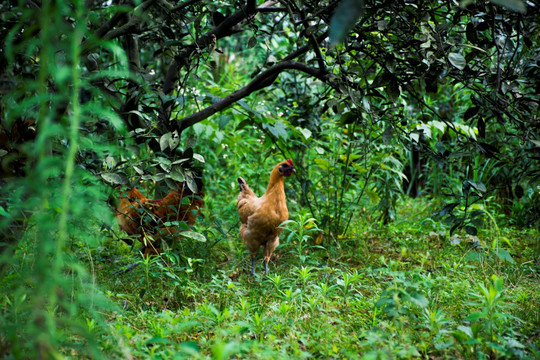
column 244, row 188
column 242, row 183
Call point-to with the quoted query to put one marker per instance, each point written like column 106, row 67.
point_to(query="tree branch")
column 109, row 24
column 304, row 49
column 313, row 41
column 221, row 30
column 131, row 27
column 262, row 80
column 107, row 30
column 185, row 4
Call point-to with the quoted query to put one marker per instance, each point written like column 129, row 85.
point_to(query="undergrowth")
column 402, row 291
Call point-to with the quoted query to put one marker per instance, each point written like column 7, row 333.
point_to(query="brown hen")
column 149, row 218
column 262, row 216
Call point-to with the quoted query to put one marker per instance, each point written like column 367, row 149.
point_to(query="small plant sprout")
column 276, row 280
column 243, row 305
column 347, row 282
column 257, row 322
column 290, row 294
column 305, row 274
column 312, row 302
column 435, row 320
column 284, row 308
column 299, row 235
column 222, row 350
column 221, row 316
column 207, row 310
column 325, row 289
column 489, row 331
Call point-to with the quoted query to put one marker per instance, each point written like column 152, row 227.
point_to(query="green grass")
column 397, row 292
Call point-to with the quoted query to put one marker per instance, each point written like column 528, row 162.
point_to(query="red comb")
column 290, row 162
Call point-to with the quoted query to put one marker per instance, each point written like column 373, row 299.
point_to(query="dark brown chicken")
column 262, row 216
column 150, row 218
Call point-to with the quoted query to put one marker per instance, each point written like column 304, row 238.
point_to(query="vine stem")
column 73, row 136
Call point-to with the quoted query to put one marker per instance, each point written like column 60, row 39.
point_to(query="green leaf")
column 176, row 162
column 110, row 161
column 514, row 5
column 223, row 121
column 323, row 163
column 177, row 175
column 174, row 140
column 115, row 178
column 387, row 135
column 111, row 116
column 164, row 163
column 439, row 146
column 3, row 212
column 193, row 235
column 457, row 225
column 504, row 255
column 344, row 18
column 457, row 60
column 392, row 90
column 471, row 112
column 478, row 186
column 475, row 256
column 465, row 187
column 471, row 230
column 190, row 347
column 158, row 177
column 446, row 210
column 138, row 170
column 158, row 340
column 192, row 185
column 224, row 350
column 475, row 316
column 198, row 157
column 248, row 108
column 164, row 141
column 497, row 283
column 305, row 132
column 180, row 225
column 466, row 330
column 252, row 42
column 419, row 300
column 513, row 343
column 279, row 130
column 476, row 213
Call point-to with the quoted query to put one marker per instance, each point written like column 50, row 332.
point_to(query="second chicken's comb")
column 290, row 162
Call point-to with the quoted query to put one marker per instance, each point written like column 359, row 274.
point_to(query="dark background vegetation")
column 414, row 128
